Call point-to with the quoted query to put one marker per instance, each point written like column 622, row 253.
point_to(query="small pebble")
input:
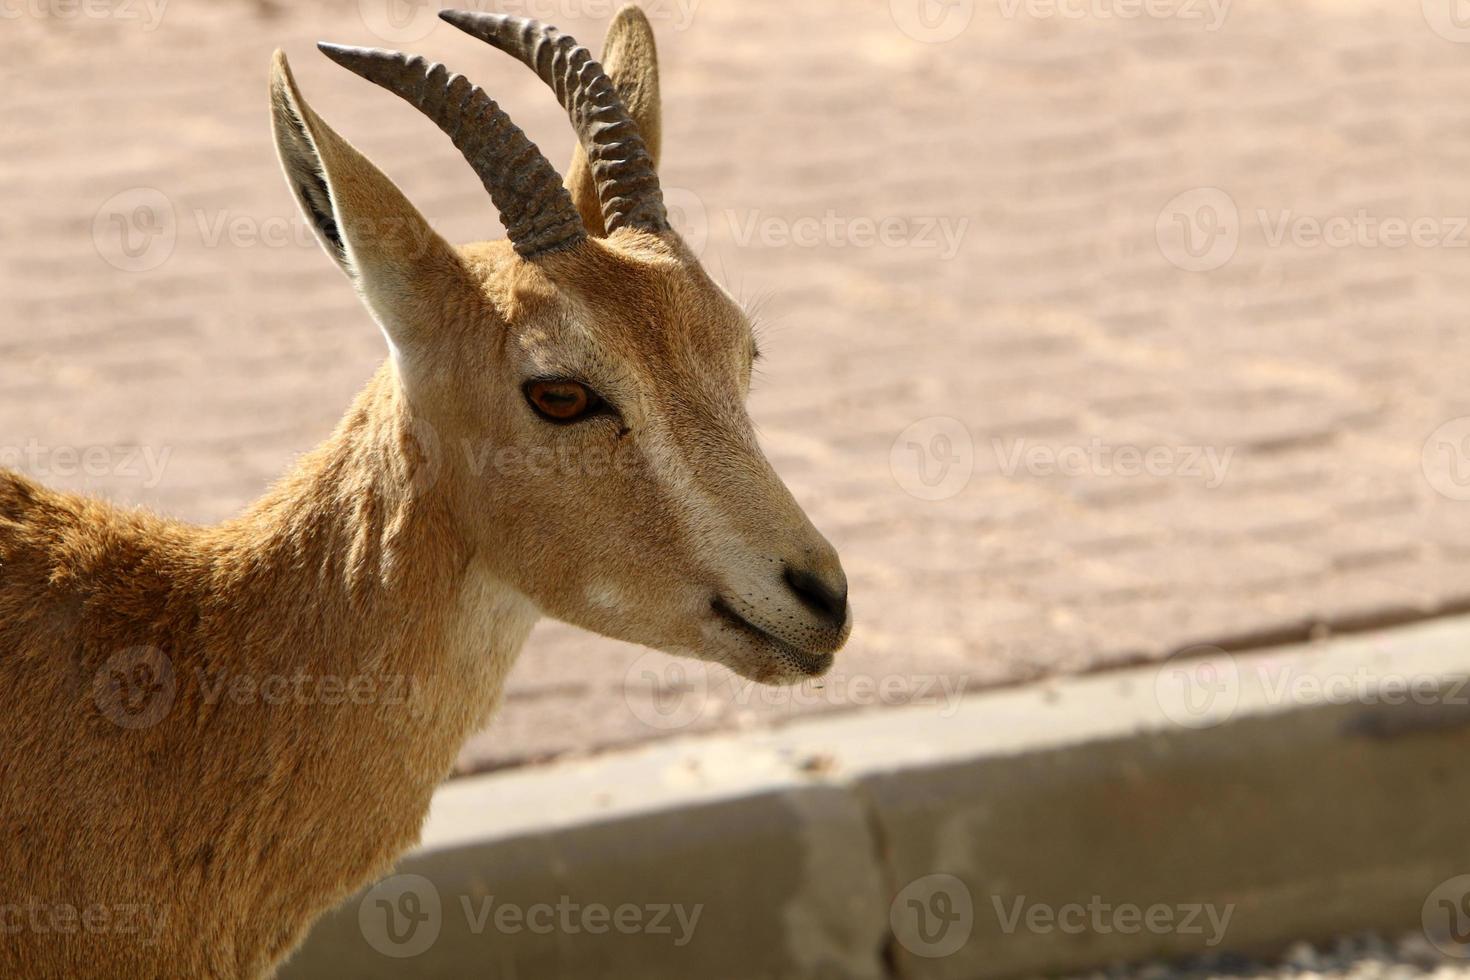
column 1303, row 956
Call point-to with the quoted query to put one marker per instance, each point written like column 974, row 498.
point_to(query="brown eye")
column 561, row 401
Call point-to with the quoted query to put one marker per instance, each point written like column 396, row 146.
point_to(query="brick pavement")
column 1281, row 373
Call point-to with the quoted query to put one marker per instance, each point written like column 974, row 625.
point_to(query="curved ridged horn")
column 535, row 208
column 627, row 183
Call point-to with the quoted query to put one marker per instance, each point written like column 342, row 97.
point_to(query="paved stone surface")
column 1039, row 830
column 802, row 902
column 1222, row 242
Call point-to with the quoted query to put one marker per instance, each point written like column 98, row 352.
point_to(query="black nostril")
column 828, row 599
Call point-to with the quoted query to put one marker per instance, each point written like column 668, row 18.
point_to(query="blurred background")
column 1095, row 330
column 1089, row 338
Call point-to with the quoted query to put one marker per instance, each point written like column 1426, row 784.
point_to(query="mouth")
column 804, row 661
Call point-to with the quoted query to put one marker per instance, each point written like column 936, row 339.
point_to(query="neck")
column 358, row 580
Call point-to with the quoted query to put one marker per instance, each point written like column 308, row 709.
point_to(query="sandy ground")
column 1159, row 342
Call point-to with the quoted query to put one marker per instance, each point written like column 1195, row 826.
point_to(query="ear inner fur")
column 296, row 152
column 396, row 260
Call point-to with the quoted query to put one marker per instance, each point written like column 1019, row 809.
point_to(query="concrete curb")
column 1216, row 802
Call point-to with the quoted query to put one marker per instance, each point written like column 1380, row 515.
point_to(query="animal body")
column 214, row 734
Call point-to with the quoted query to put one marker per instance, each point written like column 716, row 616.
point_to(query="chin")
column 765, row 658
column 778, row 668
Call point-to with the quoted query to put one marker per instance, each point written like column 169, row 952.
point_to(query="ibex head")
column 596, row 370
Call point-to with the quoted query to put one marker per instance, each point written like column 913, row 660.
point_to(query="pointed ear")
column 630, row 58
column 400, row 265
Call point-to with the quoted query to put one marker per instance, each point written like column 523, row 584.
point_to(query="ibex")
column 214, row 734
